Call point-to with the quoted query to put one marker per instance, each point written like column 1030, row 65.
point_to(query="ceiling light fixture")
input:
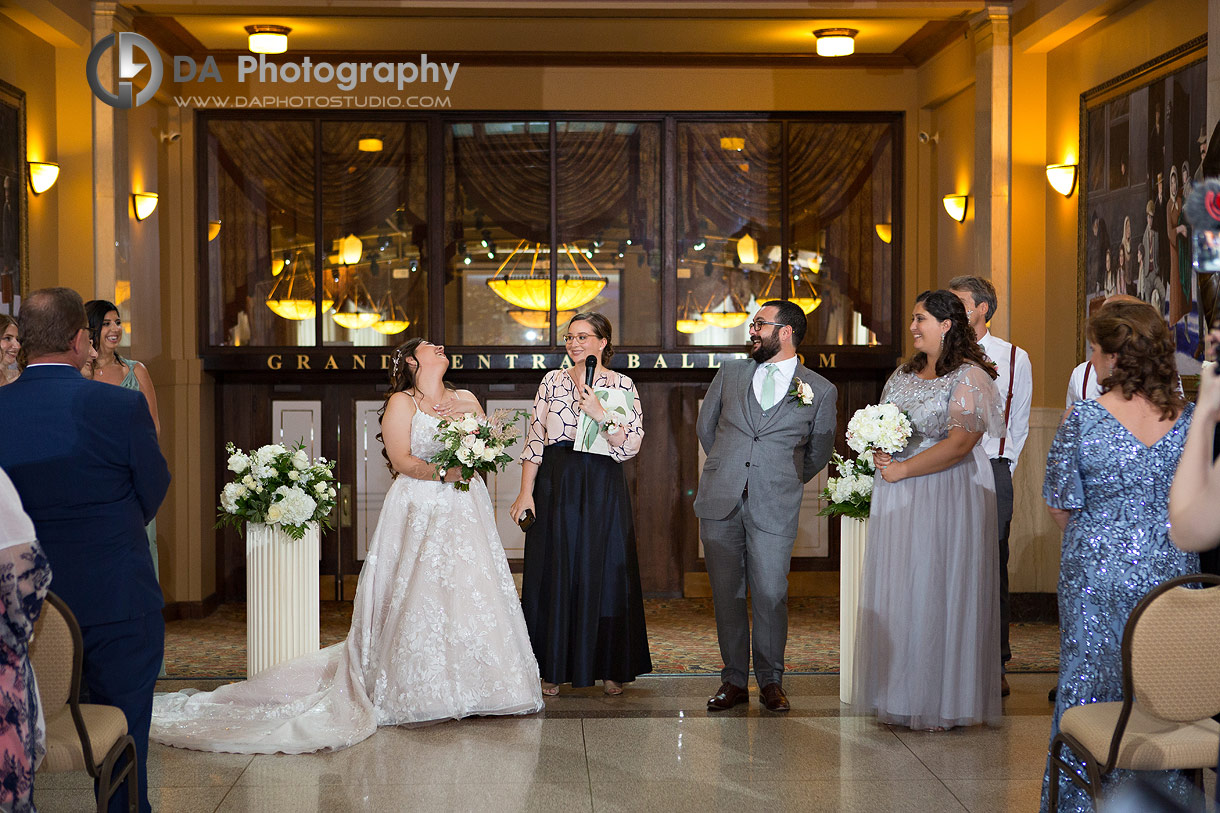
column 267, row 39
column 369, row 143
column 836, row 41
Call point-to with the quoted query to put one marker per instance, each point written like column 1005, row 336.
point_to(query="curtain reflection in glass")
column 609, row 201
column 374, row 207
column 261, row 265
column 839, row 189
column 497, row 216
column 729, row 183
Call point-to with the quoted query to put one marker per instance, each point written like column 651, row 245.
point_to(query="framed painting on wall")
column 14, row 245
column 1143, row 136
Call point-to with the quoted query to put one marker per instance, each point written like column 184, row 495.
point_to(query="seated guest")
column 9, row 345
column 24, row 578
column 1107, row 480
column 84, row 458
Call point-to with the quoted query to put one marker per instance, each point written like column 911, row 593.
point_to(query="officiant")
column 581, row 579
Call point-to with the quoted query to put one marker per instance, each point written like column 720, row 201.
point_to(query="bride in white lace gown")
column 437, row 630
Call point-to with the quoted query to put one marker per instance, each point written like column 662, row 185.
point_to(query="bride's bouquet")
column 880, row 428
column 477, row 445
column 279, row 486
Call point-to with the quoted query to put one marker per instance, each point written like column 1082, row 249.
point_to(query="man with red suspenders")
column 1015, row 381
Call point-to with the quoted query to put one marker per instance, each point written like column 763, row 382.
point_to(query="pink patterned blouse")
column 555, row 415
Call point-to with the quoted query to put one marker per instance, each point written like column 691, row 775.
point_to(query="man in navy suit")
column 84, row 458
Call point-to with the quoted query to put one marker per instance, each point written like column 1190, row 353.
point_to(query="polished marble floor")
column 655, row 748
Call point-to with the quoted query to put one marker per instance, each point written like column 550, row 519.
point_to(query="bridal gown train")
column 437, row 633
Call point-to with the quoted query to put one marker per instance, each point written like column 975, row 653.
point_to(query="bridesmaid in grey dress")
column 1108, row 477
column 928, row 625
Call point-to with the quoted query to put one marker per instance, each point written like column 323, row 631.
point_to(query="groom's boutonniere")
column 802, row 392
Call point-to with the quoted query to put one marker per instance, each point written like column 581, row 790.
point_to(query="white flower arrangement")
column 878, row 428
column 278, row 486
column 850, row 494
column 801, row 391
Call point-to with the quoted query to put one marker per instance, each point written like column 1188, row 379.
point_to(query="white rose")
column 330, row 491
column 300, row 460
column 294, row 475
column 275, row 513
column 258, row 489
column 469, row 423
column 238, row 462
column 248, row 481
column 469, row 441
column 464, row 455
column 476, row 448
column 320, row 488
column 489, row 454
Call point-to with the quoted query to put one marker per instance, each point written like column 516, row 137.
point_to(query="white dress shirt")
column 1082, row 387
column 784, row 370
column 1022, row 377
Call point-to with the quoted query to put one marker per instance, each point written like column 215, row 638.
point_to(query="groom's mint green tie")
column 768, row 388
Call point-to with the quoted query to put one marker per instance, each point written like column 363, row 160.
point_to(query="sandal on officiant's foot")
column 612, row 688
column 550, row 689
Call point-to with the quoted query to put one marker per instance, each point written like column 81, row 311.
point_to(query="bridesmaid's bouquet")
column 477, row 445
column 876, row 428
column 279, row 486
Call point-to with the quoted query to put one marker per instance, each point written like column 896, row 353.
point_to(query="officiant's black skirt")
column 581, row 583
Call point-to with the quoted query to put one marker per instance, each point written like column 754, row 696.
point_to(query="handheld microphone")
column 590, row 370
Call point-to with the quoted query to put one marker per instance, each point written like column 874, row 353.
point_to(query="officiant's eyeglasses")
column 577, row 337
column 757, row 324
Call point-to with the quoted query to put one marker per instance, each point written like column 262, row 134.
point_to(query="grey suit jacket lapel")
column 749, row 405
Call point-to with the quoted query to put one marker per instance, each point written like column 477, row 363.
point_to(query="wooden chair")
column 1171, row 690
column 76, row 731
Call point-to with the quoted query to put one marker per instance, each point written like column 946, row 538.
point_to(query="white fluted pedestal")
column 281, row 595
column 853, row 534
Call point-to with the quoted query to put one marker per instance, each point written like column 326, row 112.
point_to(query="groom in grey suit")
column 763, row 444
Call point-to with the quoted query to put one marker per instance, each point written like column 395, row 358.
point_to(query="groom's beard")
column 765, row 349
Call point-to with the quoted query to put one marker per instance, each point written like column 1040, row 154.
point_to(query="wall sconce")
column 213, row 229
column 145, row 203
column 956, row 205
column 836, row 41
column 267, row 39
column 1062, row 178
column 43, row 175
column 885, row 231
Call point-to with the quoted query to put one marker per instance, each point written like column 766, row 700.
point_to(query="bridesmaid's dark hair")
column 1145, row 365
column 402, row 378
column 95, row 312
column 601, row 329
column 960, row 345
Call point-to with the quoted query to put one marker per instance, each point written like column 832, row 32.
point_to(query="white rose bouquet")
column 477, row 445
column 850, row 494
column 878, row 428
column 280, row 486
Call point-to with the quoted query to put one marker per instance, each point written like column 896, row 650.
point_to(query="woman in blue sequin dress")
column 1107, row 485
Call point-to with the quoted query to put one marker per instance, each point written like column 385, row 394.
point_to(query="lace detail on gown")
column 437, row 633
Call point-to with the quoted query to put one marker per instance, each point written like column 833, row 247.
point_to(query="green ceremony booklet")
column 618, row 404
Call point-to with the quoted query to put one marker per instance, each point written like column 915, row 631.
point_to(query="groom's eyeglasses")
column 757, row 324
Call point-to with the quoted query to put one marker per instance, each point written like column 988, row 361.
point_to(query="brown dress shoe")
column 773, row 697
column 1005, row 689
column 727, row 697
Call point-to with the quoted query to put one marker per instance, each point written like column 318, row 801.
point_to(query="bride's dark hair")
column 403, row 365
column 959, row 346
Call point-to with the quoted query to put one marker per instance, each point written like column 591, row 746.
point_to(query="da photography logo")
column 128, row 42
